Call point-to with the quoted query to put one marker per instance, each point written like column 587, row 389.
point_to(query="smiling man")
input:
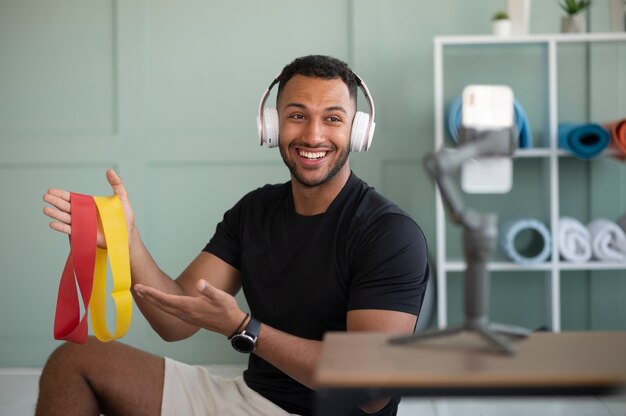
column 322, row 252
column 315, row 118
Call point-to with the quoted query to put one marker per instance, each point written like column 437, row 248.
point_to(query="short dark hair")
column 319, row 66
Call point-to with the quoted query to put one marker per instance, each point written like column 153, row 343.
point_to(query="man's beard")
column 343, row 158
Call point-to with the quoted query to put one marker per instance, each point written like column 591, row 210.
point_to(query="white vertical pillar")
column 555, row 276
column 442, row 317
column 519, row 13
column 618, row 16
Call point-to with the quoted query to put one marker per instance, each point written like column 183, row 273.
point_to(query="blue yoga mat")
column 522, row 126
column 583, row 140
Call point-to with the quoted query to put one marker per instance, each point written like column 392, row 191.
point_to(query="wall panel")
column 57, row 68
column 167, row 93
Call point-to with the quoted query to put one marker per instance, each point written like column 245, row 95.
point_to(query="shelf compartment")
column 489, row 59
column 501, row 266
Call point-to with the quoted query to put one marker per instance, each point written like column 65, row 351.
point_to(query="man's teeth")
column 312, row 155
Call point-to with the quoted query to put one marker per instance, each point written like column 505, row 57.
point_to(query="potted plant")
column 501, row 24
column 575, row 21
column 617, row 13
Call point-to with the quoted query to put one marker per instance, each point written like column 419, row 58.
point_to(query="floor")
column 18, row 392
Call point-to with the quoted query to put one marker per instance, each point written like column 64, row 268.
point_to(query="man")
column 321, row 252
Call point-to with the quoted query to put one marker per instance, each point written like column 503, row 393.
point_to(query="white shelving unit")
column 551, row 154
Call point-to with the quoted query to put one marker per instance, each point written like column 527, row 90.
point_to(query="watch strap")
column 245, row 341
column 253, row 327
column 239, row 327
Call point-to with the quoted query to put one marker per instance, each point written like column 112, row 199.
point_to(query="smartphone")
column 487, row 107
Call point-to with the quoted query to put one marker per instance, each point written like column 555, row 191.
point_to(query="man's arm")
column 297, row 357
column 206, row 267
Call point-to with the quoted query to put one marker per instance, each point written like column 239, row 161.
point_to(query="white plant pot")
column 576, row 23
column 501, row 27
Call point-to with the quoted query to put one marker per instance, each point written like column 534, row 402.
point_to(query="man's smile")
column 312, row 155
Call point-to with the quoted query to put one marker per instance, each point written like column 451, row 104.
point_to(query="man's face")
column 315, row 120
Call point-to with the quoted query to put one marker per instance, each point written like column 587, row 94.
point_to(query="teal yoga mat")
column 584, row 141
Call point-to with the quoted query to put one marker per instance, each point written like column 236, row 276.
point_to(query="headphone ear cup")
column 359, row 139
column 270, row 118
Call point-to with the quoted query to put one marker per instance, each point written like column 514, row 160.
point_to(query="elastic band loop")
column 87, row 263
column 78, row 270
column 114, row 226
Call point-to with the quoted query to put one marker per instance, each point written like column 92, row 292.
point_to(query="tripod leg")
column 436, row 333
column 511, row 330
column 500, row 342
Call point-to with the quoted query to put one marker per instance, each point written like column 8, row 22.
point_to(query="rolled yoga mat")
column 608, row 240
column 585, row 141
column 574, row 240
column 533, row 249
column 522, row 126
column 617, row 130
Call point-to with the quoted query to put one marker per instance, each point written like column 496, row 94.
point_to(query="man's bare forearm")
column 144, row 270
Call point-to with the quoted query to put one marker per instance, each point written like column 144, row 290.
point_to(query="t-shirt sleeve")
column 225, row 243
column 390, row 266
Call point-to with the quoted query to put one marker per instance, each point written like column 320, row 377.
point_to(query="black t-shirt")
column 302, row 274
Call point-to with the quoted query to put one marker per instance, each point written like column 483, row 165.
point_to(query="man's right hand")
column 59, row 210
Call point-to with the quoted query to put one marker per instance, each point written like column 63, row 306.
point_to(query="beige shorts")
column 193, row 391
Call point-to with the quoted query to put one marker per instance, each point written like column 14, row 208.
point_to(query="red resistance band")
column 68, row 325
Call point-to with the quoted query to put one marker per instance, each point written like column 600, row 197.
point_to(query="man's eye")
column 334, row 119
column 297, row 116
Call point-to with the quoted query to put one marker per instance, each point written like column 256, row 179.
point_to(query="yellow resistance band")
column 114, row 228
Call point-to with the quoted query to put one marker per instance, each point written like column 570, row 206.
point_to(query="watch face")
column 243, row 343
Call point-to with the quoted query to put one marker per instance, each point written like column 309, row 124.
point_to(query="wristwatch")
column 245, row 341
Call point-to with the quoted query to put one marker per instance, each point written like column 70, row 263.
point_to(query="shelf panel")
column 459, row 266
column 594, row 265
column 530, row 39
column 540, row 152
column 532, row 153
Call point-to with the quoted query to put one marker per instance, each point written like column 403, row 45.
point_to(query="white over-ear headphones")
column 361, row 133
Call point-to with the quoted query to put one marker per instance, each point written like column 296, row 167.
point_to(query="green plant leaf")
column 574, row 6
column 500, row 16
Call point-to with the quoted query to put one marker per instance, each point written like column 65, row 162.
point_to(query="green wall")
column 167, row 92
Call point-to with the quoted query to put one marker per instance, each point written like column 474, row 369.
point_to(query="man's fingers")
column 161, row 305
column 206, row 289
column 59, row 210
column 163, row 298
column 116, row 183
column 61, row 227
column 60, row 193
column 57, row 215
column 57, row 199
column 163, row 301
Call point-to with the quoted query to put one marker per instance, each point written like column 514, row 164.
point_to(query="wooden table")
column 356, row 367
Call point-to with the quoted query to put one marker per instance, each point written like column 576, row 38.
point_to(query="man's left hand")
column 212, row 309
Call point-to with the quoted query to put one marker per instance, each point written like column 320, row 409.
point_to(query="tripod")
column 480, row 234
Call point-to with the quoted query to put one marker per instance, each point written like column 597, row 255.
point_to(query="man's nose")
column 314, row 132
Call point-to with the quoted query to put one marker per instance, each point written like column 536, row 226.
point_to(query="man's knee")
column 71, row 358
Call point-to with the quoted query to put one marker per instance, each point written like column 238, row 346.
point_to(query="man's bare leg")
column 109, row 378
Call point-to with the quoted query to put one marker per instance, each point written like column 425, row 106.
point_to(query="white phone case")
column 487, row 107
